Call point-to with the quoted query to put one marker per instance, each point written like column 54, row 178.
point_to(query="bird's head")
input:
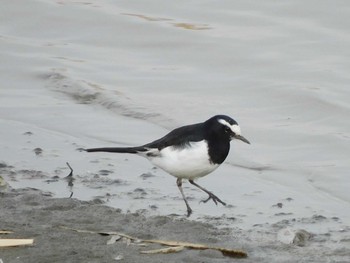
column 226, row 127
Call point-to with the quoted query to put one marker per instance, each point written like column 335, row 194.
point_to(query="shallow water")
column 85, row 74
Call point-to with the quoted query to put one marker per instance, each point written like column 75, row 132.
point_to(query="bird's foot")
column 214, row 198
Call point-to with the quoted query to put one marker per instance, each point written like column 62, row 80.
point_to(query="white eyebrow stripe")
column 223, row 122
column 234, row 128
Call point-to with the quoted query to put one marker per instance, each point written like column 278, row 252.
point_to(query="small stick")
column 176, row 245
column 70, row 179
column 71, row 170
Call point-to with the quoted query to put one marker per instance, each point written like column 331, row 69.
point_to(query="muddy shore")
column 31, row 213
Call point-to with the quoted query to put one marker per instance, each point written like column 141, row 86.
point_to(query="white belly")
column 189, row 162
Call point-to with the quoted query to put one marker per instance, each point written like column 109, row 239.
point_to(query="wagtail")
column 189, row 152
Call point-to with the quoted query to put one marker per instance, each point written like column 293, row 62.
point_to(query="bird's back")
column 179, row 137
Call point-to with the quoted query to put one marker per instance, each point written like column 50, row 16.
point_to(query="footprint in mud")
column 38, row 151
column 283, row 214
column 138, row 193
column 28, row 133
column 278, row 205
column 145, row 176
column 105, row 172
column 314, row 219
column 153, row 207
column 32, row 174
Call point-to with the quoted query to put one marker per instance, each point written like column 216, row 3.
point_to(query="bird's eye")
column 227, row 129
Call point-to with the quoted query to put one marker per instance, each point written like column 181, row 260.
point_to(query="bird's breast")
column 189, row 162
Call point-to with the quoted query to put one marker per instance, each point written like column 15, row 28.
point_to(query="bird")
column 189, row 152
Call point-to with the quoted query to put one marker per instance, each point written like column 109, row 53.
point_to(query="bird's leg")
column 211, row 195
column 179, row 185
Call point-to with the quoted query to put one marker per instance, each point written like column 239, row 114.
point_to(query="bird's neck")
column 218, row 150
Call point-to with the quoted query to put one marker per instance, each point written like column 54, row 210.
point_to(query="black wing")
column 179, row 137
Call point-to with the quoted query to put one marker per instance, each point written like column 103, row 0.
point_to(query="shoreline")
column 31, row 213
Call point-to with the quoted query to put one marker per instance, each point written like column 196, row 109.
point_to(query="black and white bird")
column 189, row 152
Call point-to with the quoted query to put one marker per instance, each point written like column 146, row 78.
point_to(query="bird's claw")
column 206, row 200
column 214, row 198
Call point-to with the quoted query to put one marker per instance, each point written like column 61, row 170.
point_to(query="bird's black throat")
column 218, row 140
column 218, row 150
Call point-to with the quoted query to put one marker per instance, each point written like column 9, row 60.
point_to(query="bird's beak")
column 240, row 137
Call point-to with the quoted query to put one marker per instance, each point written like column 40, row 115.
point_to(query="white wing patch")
column 234, row 128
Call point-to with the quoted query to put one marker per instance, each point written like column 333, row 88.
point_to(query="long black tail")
column 118, row 149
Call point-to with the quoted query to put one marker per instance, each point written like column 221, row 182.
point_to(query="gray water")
column 85, row 74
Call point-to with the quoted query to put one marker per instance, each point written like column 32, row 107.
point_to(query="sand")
column 79, row 74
